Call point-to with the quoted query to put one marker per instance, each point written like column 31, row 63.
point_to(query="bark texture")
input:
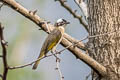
column 104, row 17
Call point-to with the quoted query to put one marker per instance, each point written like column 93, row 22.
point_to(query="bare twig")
column 73, row 13
column 84, row 12
column 28, row 64
column 88, row 76
column 4, row 53
column 1, row 5
column 77, row 2
column 108, row 33
column 80, row 44
column 58, row 68
column 58, row 64
column 71, row 45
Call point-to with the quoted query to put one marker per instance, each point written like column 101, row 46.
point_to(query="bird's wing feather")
column 52, row 39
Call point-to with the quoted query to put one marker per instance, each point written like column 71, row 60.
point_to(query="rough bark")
column 104, row 17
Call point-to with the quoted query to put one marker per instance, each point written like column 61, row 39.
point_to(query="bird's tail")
column 42, row 54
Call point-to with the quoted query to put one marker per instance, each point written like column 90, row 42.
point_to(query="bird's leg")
column 53, row 50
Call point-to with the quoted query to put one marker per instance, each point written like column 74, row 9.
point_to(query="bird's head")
column 61, row 22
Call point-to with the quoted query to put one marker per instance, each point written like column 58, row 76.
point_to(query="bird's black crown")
column 61, row 22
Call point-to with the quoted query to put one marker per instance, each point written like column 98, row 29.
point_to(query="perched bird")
column 53, row 39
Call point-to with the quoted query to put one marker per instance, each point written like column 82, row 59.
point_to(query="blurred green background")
column 25, row 41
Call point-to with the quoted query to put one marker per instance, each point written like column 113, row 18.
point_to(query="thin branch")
column 1, row 5
column 58, row 64
column 72, row 45
column 4, row 53
column 78, row 2
column 62, row 2
column 87, row 77
column 103, row 34
column 80, row 44
column 28, row 64
column 58, row 68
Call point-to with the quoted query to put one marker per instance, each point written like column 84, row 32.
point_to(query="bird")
column 52, row 40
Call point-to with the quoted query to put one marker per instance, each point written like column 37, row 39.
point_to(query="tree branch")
column 67, row 40
column 28, row 64
column 62, row 2
column 4, row 53
column 58, row 68
column 1, row 5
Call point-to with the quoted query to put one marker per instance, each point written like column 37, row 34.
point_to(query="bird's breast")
column 61, row 29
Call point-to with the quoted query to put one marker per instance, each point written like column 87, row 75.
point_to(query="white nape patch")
column 59, row 20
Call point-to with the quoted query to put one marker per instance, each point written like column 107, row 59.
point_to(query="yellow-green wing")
column 52, row 39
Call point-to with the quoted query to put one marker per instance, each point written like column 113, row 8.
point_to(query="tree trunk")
column 104, row 17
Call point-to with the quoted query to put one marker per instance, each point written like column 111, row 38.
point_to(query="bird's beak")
column 67, row 22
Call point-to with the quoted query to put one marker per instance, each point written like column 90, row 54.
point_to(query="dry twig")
column 4, row 53
column 62, row 2
column 58, row 68
column 87, row 77
column 28, row 64
column 1, row 5
column 58, row 64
